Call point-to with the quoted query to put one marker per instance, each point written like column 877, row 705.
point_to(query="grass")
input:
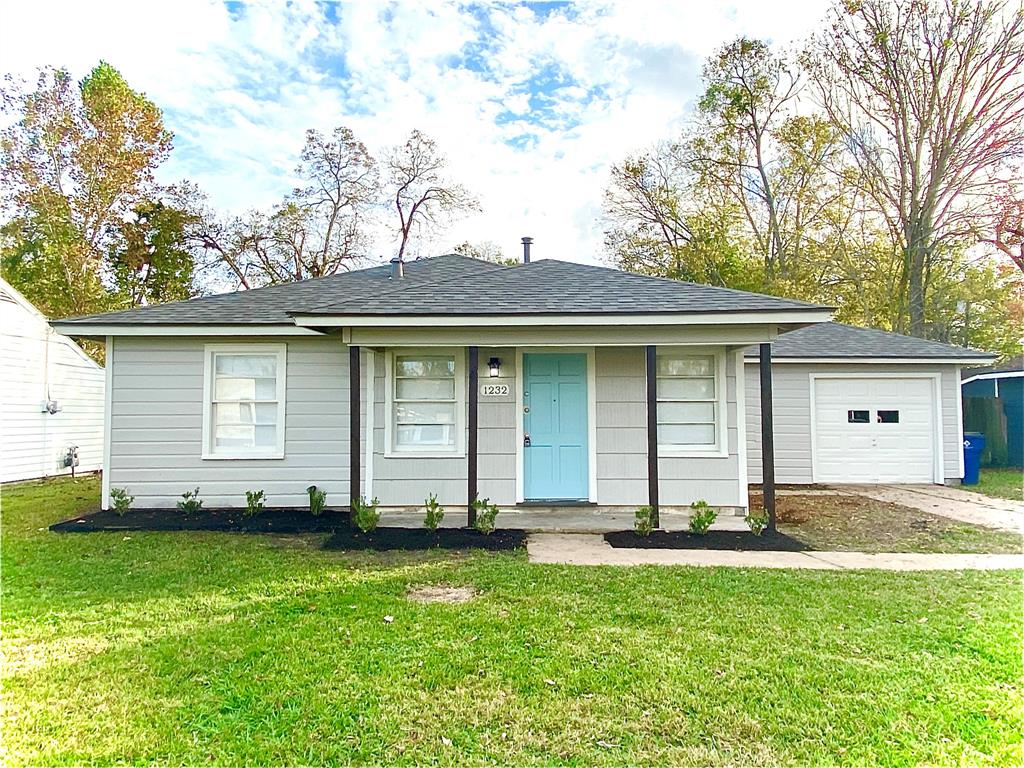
column 1005, row 483
column 189, row 648
column 860, row 524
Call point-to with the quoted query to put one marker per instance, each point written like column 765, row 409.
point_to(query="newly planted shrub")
column 435, row 513
column 701, row 517
column 644, row 523
column 757, row 521
column 254, row 502
column 317, row 500
column 485, row 515
column 366, row 514
column 190, row 502
column 120, row 500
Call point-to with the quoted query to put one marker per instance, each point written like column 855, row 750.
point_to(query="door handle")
column 526, row 440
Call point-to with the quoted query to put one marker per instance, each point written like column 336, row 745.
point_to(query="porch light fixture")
column 494, row 364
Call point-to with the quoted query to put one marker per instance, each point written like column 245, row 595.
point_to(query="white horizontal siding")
column 622, row 441
column 408, row 480
column 37, row 364
column 791, row 400
column 157, row 426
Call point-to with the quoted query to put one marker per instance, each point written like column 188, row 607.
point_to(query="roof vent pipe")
column 527, row 242
column 397, row 268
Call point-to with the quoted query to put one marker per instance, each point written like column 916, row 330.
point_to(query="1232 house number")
column 494, row 390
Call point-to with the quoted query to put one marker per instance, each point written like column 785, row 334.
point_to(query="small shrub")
column 757, row 521
column 317, row 500
column 644, row 523
column 701, row 517
column 485, row 515
column 120, row 500
column 190, row 502
column 366, row 514
column 435, row 513
column 254, row 502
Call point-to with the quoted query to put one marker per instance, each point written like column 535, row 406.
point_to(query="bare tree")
column 1006, row 231
column 318, row 230
column 929, row 96
column 748, row 94
column 424, row 198
column 485, row 250
column 644, row 201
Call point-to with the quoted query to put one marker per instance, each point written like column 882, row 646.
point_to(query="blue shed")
column 1003, row 386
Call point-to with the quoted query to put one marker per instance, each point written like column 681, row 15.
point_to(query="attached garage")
column 874, row 429
column 856, row 405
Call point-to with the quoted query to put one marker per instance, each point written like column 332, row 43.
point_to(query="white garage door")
column 874, row 430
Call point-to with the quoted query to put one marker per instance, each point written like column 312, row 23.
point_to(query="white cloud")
column 239, row 87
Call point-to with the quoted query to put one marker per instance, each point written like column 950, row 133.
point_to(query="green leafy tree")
column 151, row 261
column 659, row 221
column 73, row 164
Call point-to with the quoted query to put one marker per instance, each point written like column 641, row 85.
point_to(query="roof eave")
column 873, row 359
column 100, row 330
column 799, row 316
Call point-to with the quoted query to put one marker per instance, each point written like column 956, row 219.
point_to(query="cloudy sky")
column 531, row 102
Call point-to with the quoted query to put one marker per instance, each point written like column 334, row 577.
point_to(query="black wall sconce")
column 494, row 364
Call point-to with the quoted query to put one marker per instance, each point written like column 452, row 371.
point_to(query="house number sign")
column 494, row 390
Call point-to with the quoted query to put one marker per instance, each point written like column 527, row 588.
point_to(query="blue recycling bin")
column 974, row 445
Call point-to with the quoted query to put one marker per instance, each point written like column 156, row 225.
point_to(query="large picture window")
column 245, row 398
column 424, row 402
column 689, row 394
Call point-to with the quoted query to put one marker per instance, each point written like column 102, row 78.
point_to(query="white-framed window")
column 244, row 403
column 425, row 402
column 691, row 402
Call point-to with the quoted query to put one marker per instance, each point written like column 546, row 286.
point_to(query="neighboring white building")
column 51, row 396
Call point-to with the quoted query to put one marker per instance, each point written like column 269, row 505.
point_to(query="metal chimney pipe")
column 527, row 242
column 397, row 269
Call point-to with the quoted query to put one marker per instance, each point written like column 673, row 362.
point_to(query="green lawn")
column 231, row 649
column 1001, row 483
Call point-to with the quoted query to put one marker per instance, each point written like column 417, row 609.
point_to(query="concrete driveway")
column 955, row 503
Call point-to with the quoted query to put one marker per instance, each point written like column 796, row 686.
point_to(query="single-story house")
column 547, row 382
column 1000, row 389
column 51, row 396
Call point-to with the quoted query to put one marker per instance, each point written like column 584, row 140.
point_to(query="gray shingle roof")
column 836, row 340
column 272, row 304
column 455, row 285
column 555, row 287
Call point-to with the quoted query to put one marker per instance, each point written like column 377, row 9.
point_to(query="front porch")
column 627, row 399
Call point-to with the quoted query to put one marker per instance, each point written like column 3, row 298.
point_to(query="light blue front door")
column 555, row 452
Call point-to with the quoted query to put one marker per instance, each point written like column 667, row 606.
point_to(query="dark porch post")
column 767, row 436
column 354, row 429
column 652, row 434
column 471, row 450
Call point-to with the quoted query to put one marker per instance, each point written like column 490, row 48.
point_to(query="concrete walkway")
column 955, row 503
column 592, row 549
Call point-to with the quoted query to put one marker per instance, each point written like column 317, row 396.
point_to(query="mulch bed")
column 736, row 541
column 294, row 521
column 383, row 539
column 226, row 520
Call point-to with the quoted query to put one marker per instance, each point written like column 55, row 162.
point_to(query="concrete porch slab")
column 559, row 519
